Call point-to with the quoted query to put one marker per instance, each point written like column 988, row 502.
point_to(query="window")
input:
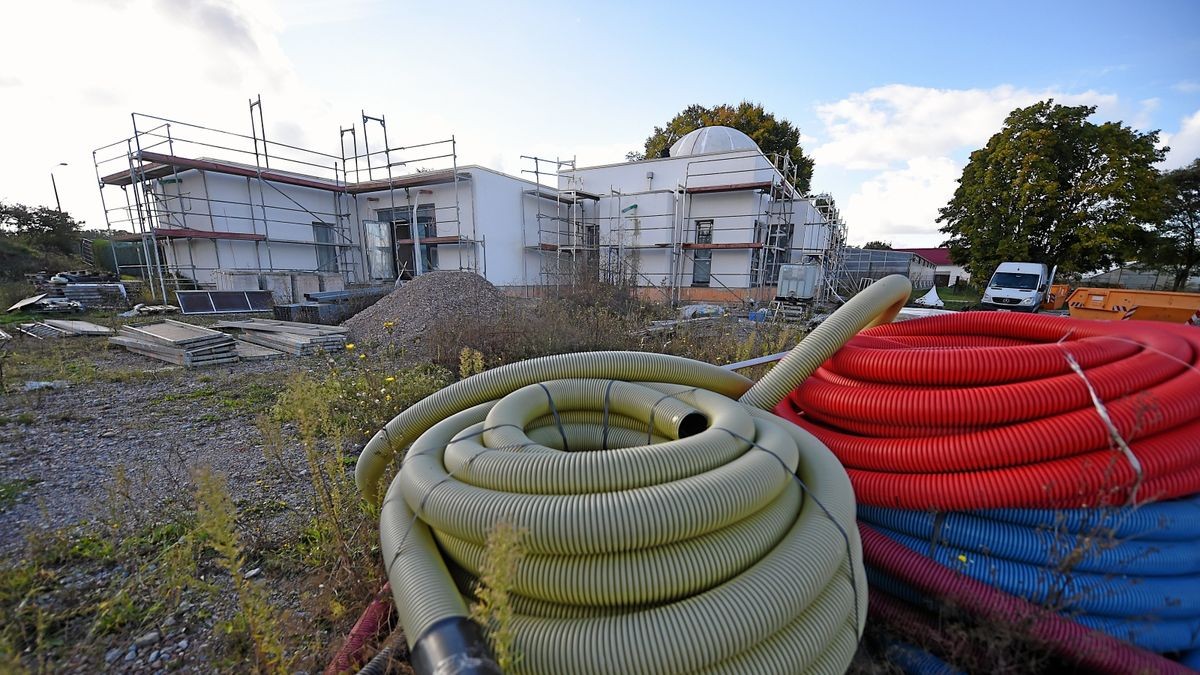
column 765, row 262
column 702, row 260
column 327, row 257
column 379, row 250
column 402, row 234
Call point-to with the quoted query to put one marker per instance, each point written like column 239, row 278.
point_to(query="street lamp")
column 55, row 186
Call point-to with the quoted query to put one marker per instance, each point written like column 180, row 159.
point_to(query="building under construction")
column 206, row 208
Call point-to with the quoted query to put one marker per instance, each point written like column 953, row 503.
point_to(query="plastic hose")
column 1093, row 651
column 1108, row 569
column 923, row 417
column 668, row 527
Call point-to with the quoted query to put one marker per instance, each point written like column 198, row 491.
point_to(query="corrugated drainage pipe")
column 668, row 527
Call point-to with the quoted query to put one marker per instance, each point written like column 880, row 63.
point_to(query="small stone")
column 185, row 606
column 183, row 644
column 131, row 654
column 253, row 573
column 147, row 639
column 153, row 657
column 112, row 655
column 168, row 622
column 108, row 434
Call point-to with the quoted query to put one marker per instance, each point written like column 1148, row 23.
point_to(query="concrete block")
column 236, row 280
column 305, row 282
column 280, row 285
column 332, row 282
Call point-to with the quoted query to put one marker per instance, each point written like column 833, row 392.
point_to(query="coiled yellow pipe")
column 669, row 527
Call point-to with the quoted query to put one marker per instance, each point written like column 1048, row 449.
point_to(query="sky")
column 890, row 97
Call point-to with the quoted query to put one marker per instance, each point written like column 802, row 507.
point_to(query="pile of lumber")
column 290, row 337
column 177, row 342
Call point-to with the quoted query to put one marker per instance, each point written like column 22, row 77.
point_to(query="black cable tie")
column 557, row 420
column 607, row 397
column 804, row 488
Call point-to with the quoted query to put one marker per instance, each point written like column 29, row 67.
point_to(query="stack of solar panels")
column 290, row 337
column 178, row 342
column 96, row 295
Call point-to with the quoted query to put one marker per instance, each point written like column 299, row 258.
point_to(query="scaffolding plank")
column 732, row 187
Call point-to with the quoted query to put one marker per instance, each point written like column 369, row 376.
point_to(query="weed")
column 493, row 608
column 470, row 362
column 21, row 418
column 255, row 627
column 11, row 491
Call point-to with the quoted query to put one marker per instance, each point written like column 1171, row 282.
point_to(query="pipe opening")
column 692, row 424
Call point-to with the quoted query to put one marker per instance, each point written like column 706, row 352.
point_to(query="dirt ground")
column 104, row 455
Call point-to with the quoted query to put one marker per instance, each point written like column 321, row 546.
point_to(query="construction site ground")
column 101, row 457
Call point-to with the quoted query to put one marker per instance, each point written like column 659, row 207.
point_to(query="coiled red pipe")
column 1093, row 651
column 984, row 410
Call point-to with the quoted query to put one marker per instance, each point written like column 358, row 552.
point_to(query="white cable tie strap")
column 1113, row 433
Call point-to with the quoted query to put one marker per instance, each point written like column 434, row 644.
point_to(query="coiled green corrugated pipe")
column 668, row 526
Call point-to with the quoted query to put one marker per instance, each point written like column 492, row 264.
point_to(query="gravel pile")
column 402, row 317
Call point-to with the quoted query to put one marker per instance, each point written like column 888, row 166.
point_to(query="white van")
column 1018, row 287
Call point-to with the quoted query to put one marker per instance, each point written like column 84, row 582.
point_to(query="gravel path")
column 117, row 445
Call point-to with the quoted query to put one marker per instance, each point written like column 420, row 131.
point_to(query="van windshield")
column 1021, row 282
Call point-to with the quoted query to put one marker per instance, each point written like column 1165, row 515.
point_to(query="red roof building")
column 937, row 256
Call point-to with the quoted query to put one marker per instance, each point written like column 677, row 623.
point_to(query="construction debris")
column 142, row 309
column 402, row 317
column 180, row 343
column 46, row 304
column 41, row 331
column 289, row 337
column 97, row 295
column 79, row 327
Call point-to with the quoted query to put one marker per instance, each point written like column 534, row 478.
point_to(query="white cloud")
column 1185, row 143
column 1186, row 87
column 77, row 82
column 1146, row 108
column 901, row 205
column 895, row 152
column 885, row 125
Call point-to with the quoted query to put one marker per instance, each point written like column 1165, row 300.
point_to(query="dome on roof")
column 712, row 139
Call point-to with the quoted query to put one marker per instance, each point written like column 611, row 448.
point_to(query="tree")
column 772, row 134
column 33, row 238
column 1054, row 188
column 43, row 228
column 878, row 245
column 1174, row 242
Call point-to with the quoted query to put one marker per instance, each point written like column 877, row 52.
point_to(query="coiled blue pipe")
column 916, row 661
column 1133, row 573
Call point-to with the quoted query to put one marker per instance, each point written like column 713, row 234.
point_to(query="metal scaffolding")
column 612, row 237
column 163, row 170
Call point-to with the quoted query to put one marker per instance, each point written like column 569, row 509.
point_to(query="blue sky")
column 891, row 97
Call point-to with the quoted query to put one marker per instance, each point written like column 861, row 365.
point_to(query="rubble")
column 402, row 317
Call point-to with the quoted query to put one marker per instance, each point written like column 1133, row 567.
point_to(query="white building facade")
column 711, row 222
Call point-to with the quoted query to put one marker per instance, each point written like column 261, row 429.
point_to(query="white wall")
column 231, row 205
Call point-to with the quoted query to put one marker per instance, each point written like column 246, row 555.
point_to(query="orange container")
column 1057, row 297
column 1115, row 304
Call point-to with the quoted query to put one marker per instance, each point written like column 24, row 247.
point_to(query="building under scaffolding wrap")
column 713, row 222
column 232, row 211
column 204, row 202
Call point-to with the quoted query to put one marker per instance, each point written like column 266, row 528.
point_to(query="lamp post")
column 53, row 184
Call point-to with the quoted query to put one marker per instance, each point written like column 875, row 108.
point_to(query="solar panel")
column 224, row 302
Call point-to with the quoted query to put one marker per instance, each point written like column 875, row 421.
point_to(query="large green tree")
column 1174, row 241
column 774, row 135
column 1053, row 187
column 33, row 238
